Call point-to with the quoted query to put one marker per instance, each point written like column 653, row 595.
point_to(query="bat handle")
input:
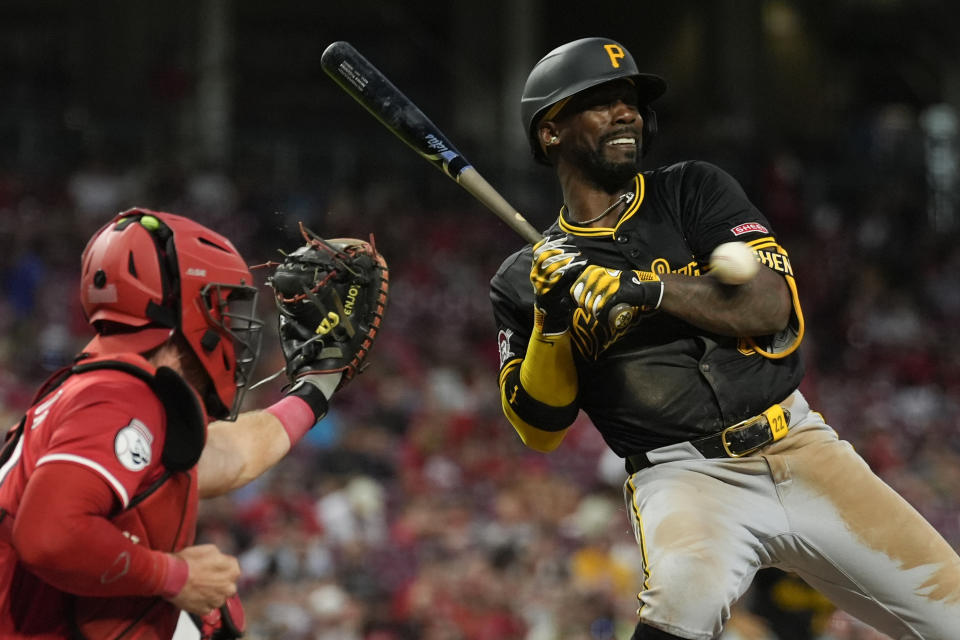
column 621, row 316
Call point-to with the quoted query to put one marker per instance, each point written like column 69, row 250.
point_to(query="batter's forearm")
column 539, row 392
column 541, row 426
column 759, row 307
column 548, row 373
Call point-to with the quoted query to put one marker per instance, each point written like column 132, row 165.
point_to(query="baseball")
column 733, row 263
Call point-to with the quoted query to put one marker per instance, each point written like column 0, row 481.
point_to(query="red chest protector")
column 162, row 517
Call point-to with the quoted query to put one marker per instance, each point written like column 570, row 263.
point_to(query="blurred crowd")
column 413, row 511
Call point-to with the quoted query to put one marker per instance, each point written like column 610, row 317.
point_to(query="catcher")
column 99, row 482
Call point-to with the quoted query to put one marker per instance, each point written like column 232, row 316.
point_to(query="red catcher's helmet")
column 148, row 274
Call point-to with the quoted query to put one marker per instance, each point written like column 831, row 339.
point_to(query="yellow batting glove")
column 555, row 260
column 597, row 292
column 552, row 258
column 595, row 287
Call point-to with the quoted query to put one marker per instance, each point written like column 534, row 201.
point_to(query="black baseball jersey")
column 666, row 381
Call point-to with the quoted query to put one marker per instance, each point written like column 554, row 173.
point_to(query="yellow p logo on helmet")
column 616, row 54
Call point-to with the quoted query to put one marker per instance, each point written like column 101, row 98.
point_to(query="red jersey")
column 112, row 425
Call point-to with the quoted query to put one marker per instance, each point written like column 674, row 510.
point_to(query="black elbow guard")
column 532, row 411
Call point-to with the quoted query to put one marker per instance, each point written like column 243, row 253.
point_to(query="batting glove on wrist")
column 556, row 263
column 607, row 301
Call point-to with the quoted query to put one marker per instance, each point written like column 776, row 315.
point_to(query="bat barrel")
column 385, row 102
column 368, row 86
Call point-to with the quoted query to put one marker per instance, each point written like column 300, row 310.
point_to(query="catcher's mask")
column 148, row 274
column 578, row 66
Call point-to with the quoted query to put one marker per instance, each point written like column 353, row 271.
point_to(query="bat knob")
column 621, row 316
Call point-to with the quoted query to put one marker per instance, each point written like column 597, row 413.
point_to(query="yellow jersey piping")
column 639, row 189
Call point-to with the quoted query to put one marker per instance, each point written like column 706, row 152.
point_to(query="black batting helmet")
column 579, row 65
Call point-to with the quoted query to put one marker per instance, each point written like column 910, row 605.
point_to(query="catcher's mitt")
column 332, row 295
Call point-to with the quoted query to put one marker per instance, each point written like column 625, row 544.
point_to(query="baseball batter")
column 691, row 381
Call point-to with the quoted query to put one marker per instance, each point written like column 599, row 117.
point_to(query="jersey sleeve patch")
column 107, row 430
column 133, row 445
column 503, row 345
column 748, row 227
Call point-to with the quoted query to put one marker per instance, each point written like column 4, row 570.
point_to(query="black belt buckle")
column 776, row 419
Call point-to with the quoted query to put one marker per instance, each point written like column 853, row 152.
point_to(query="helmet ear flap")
column 649, row 128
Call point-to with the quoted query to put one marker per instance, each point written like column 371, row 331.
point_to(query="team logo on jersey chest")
column 132, row 446
column 662, row 265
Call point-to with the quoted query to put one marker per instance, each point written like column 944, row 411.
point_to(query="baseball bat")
column 368, row 86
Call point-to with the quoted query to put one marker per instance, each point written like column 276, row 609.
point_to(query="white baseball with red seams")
column 733, row 263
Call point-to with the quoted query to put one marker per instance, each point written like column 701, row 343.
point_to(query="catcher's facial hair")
column 368, row 86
